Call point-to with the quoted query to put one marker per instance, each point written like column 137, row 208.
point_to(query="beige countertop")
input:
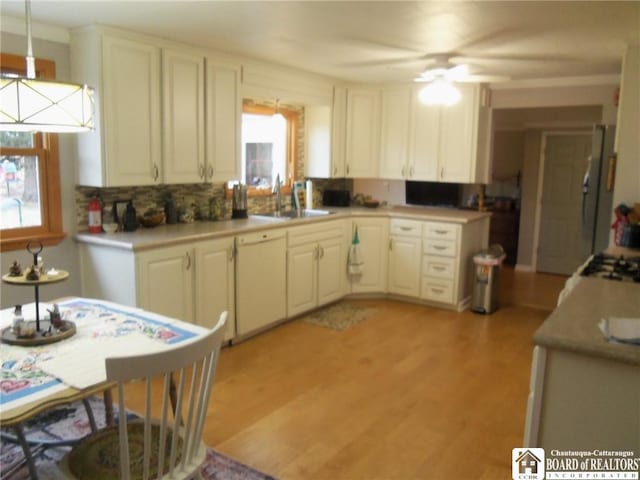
column 166, row 235
column 573, row 325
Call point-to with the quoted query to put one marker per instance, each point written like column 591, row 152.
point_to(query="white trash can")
column 485, row 286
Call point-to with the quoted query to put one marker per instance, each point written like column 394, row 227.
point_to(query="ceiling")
column 379, row 41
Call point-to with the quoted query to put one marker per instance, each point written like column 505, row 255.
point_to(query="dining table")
column 36, row 378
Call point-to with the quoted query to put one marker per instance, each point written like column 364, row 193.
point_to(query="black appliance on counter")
column 336, row 198
column 433, row 194
column 613, row 267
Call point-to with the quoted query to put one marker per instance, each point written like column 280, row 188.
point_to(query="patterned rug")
column 71, row 422
column 339, row 316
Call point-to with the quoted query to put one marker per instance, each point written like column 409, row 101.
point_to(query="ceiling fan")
column 453, row 68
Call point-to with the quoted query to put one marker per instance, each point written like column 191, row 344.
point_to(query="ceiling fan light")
column 439, row 92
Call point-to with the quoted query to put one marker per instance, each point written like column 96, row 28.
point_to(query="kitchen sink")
column 292, row 214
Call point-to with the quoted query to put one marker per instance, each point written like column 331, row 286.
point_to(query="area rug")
column 65, row 423
column 339, row 316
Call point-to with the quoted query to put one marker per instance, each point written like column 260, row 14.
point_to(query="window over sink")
column 270, row 136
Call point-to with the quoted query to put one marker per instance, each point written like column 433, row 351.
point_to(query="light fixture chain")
column 31, row 62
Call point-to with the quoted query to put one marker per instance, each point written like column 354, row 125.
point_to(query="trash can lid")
column 494, row 255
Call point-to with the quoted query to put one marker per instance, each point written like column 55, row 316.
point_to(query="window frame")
column 293, row 121
column 46, row 149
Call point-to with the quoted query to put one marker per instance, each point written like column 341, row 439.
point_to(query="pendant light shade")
column 30, row 104
column 47, row 106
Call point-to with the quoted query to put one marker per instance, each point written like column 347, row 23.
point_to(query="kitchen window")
column 30, row 205
column 269, row 147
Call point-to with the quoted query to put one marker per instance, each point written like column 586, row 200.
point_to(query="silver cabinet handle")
column 210, row 171
column 403, row 170
column 441, row 173
column 441, row 232
column 439, row 247
column 156, row 171
column 231, row 253
column 437, row 290
column 188, row 261
column 335, row 170
column 201, row 170
column 391, row 245
column 411, row 171
column 406, row 229
column 438, row 268
column 321, row 252
column 347, row 169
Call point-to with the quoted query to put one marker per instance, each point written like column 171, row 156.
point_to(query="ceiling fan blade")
column 484, row 79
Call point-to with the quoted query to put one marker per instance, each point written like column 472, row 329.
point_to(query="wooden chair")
column 148, row 447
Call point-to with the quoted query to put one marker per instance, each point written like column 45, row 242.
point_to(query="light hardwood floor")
column 411, row 393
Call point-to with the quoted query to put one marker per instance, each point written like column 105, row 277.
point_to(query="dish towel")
column 355, row 263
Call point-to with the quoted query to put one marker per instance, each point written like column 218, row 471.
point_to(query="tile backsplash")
column 194, row 197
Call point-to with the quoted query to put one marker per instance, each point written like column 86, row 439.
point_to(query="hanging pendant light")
column 28, row 104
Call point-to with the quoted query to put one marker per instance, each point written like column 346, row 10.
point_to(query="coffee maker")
column 239, row 206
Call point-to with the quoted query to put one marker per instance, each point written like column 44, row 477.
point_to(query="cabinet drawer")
column 439, row 247
column 441, row 231
column 410, row 228
column 439, row 267
column 437, row 290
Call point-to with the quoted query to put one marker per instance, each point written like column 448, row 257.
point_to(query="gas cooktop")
column 612, row 267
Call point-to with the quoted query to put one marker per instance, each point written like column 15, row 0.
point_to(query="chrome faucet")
column 276, row 192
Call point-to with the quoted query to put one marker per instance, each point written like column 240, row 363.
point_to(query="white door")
column 165, row 282
column 214, row 285
column 404, row 265
column 373, row 235
column 131, row 103
column 302, row 267
column 559, row 242
column 363, row 123
column 424, row 139
column 183, row 117
column 395, row 133
column 331, row 270
column 224, row 112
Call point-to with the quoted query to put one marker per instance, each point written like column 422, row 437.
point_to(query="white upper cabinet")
column 125, row 147
column 394, row 159
column 363, row 126
column 183, row 116
column 223, row 114
column 450, row 143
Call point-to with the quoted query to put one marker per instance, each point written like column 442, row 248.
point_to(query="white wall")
column 65, row 255
column 627, row 188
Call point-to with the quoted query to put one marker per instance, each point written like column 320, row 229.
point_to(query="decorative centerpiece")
column 28, row 332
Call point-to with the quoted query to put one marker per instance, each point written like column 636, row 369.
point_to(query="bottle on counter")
column 18, row 320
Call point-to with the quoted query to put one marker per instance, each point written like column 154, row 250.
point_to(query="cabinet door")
column 373, row 235
column 317, row 124
column 363, row 123
column 424, row 139
column 131, row 113
column 224, row 113
column 338, row 132
column 183, row 117
column 458, row 136
column 302, row 268
column 404, row 265
column 395, row 133
column 214, row 284
column 331, row 270
column 165, row 282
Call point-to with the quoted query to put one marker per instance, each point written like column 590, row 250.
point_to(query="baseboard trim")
column 524, row 268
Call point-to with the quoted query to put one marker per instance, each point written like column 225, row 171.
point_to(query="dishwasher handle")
column 259, row 237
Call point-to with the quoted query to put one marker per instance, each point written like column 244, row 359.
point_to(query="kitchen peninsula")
column 189, row 271
column 584, row 390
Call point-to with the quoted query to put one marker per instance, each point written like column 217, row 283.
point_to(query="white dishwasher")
column 261, row 279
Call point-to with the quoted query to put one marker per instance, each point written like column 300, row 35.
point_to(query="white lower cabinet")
column 192, row 282
column 214, row 283
column 405, row 252
column 373, row 234
column 316, row 266
column 447, row 260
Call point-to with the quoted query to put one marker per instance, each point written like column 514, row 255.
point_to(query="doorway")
column 563, row 164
